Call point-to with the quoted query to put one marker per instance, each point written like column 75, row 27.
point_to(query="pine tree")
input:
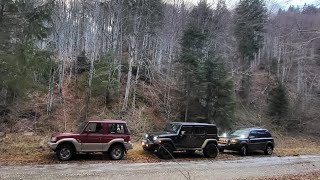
column 219, row 93
column 24, row 66
column 278, row 104
column 250, row 17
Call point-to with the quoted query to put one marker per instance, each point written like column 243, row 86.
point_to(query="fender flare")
column 207, row 141
column 106, row 146
column 73, row 141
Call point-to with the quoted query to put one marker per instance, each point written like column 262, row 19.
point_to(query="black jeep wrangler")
column 183, row 136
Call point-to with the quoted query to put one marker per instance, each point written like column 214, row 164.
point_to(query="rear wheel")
column 210, row 151
column 165, row 151
column 268, row 150
column 65, row 152
column 116, row 152
column 243, row 150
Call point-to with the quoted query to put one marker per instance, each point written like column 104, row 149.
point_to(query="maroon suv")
column 108, row 136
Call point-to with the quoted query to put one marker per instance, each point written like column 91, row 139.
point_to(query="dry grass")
column 22, row 149
column 288, row 146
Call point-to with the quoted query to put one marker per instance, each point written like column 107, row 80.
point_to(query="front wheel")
column 116, row 152
column 210, row 151
column 268, row 150
column 65, row 152
column 165, row 151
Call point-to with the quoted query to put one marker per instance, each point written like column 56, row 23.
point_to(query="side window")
column 268, row 134
column 254, row 134
column 117, row 128
column 198, row 130
column 94, row 128
column 187, row 129
column 211, row 129
column 262, row 134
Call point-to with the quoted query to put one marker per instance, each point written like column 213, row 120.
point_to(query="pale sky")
column 280, row 3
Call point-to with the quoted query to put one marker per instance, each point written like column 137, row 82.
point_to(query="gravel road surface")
column 248, row 167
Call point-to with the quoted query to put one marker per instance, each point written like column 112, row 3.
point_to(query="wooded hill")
column 150, row 61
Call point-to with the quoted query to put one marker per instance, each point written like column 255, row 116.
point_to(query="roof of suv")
column 254, row 128
column 108, row 121
column 194, row 124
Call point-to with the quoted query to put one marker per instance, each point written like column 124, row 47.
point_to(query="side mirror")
column 183, row 133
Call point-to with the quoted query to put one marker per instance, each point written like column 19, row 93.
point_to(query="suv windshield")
column 172, row 128
column 81, row 127
column 241, row 133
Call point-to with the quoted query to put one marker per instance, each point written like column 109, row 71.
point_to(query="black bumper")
column 229, row 146
column 148, row 145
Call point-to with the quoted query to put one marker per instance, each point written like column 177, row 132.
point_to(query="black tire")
column 210, row 151
column 116, row 152
column 243, row 150
column 268, row 150
column 165, row 151
column 65, row 152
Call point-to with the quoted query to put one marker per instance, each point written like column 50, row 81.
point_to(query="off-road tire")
column 268, row 150
column 243, row 150
column 165, row 151
column 116, row 152
column 210, row 151
column 65, row 152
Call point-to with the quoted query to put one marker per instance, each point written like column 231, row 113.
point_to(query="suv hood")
column 162, row 134
column 63, row 134
column 231, row 137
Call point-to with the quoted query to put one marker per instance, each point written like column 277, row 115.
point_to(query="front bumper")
column 148, row 145
column 52, row 145
column 229, row 146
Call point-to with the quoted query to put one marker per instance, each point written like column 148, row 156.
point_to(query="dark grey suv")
column 183, row 136
column 246, row 140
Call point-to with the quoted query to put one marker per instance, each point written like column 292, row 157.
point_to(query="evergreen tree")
column 278, row 104
column 24, row 66
column 219, row 92
column 208, row 93
column 250, row 16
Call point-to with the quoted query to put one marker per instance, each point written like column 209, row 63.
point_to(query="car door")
column 185, row 137
column 263, row 140
column 253, row 140
column 199, row 136
column 91, row 137
column 114, row 131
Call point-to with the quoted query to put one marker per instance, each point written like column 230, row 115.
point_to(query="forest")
column 151, row 61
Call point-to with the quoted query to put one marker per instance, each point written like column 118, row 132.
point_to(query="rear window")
column 115, row 128
column 211, row 129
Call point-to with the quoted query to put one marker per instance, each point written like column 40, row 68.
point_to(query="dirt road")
column 248, row 167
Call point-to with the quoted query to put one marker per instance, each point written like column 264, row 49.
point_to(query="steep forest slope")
column 149, row 62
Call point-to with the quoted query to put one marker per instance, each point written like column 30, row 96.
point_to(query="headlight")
column 146, row 135
column 223, row 140
column 155, row 138
column 234, row 140
column 53, row 139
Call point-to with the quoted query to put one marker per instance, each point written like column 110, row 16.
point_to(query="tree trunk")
column 51, row 90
